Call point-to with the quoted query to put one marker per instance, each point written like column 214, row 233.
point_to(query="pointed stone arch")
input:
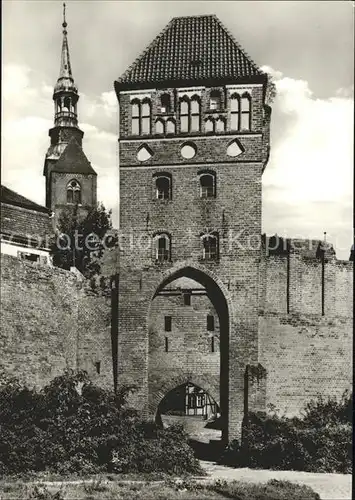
column 217, row 385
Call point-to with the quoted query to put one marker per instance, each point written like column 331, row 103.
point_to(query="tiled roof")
column 73, row 160
column 23, row 223
column 196, row 48
column 12, row 198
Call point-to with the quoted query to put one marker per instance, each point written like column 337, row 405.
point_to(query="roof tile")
column 191, row 48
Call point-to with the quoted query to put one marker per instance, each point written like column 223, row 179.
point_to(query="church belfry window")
column 73, row 192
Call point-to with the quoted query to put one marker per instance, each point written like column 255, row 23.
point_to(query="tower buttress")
column 70, row 178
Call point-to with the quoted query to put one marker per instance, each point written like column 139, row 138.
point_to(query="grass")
column 169, row 489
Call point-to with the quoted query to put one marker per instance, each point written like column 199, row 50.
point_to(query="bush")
column 72, row 426
column 272, row 490
column 320, row 441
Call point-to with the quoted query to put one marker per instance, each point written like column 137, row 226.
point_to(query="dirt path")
column 328, row 486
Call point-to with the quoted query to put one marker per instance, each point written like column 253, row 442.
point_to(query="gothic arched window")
column 170, row 126
column 74, row 192
column 207, row 185
column 159, row 127
column 162, row 245
column 210, row 249
column 209, row 125
column 220, row 124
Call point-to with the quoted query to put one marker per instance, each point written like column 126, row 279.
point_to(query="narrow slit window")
column 212, row 344
column 167, row 323
column 210, row 323
column 166, row 344
column 98, row 367
column 187, row 299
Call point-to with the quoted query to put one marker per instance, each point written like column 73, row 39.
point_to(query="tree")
column 80, row 241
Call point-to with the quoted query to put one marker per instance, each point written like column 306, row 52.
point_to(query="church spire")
column 65, row 68
column 65, row 94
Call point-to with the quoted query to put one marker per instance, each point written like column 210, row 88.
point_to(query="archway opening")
column 189, row 350
column 195, row 409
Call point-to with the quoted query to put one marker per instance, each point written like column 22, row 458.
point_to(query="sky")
column 306, row 46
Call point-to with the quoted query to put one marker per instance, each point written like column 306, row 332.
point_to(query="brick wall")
column 305, row 353
column 189, row 352
column 233, row 279
column 51, row 321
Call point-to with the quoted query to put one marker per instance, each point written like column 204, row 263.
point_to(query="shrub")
column 320, row 441
column 272, row 490
column 72, row 426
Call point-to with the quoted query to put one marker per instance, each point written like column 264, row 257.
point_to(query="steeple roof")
column 65, row 80
column 196, row 48
column 73, row 160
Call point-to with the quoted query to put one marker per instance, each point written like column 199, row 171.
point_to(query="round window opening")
column 188, row 151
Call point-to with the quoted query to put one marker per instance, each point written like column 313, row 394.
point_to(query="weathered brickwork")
column 50, row 322
column 304, row 352
column 189, row 350
column 235, row 214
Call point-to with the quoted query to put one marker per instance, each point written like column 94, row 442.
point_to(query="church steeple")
column 65, row 164
column 65, row 94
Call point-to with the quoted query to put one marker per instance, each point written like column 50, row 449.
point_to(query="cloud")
column 307, row 185
column 27, row 117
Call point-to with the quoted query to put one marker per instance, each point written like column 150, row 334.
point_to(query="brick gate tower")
column 194, row 142
column 70, row 178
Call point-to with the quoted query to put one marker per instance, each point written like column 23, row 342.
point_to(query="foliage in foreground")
column 72, row 426
column 169, row 490
column 320, row 441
